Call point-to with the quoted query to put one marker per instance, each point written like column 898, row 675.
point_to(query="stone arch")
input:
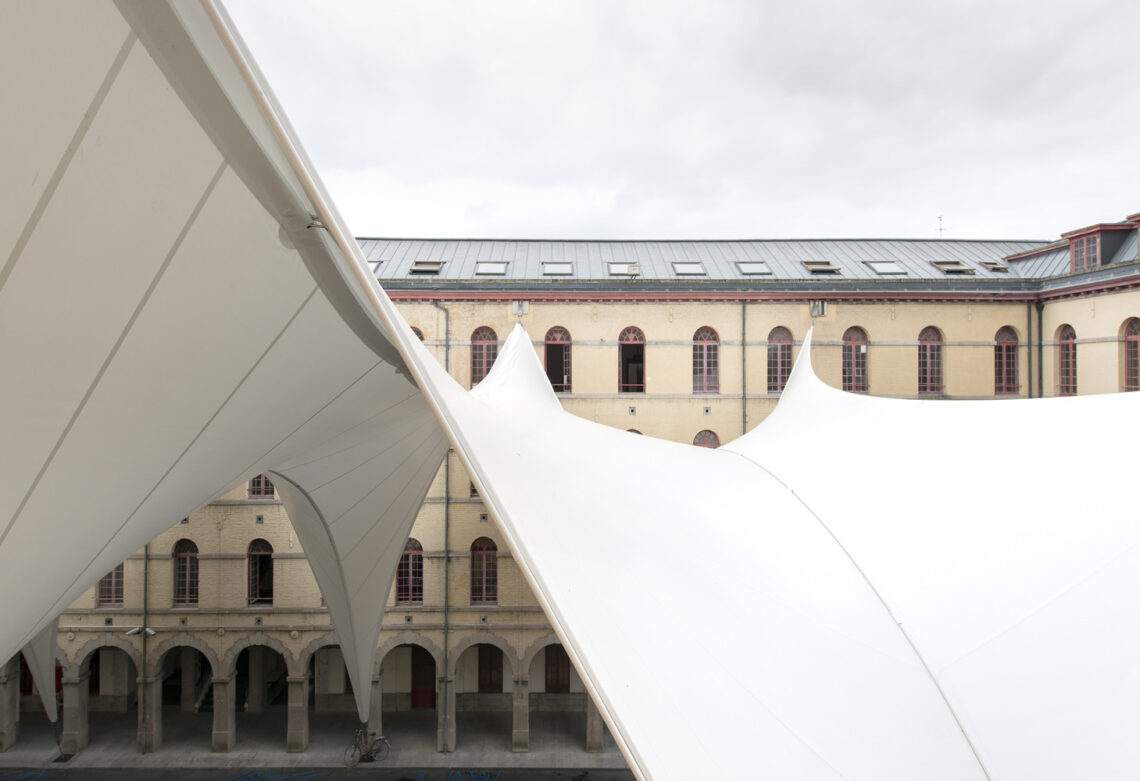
column 154, row 662
column 306, row 655
column 102, row 640
column 406, row 637
column 535, row 647
column 478, row 638
column 229, row 662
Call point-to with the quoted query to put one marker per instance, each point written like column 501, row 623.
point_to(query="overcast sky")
column 710, row 119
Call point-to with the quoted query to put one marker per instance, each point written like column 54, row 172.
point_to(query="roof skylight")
column 952, row 267
column 688, row 269
column 885, row 268
column 557, row 269
column 426, row 267
column 625, row 269
column 820, row 267
column 491, row 268
column 752, row 267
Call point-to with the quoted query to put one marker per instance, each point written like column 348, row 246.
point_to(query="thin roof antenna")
column 940, row 229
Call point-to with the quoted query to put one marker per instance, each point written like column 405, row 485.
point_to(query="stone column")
column 255, row 702
column 520, row 735
column 150, row 714
column 297, row 729
column 75, row 733
column 9, row 702
column 375, row 713
column 445, row 714
column 225, row 728
column 189, row 664
column 595, row 727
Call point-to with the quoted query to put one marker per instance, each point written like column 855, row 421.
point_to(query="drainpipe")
column 446, row 532
column 143, row 714
column 743, row 367
column 1040, row 349
column 1029, row 344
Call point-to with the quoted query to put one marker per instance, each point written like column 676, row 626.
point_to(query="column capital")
column 296, row 679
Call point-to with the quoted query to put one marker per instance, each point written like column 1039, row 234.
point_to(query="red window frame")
column 410, row 574
column 419, row 334
column 1066, row 361
column 1132, row 355
column 110, row 592
column 629, row 336
column 559, row 337
column 484, row 351
column 260, row 487
column 706, row 361
column 930, row 361
column 484, row 572
column 855, row 346
column 259, row 558
column 1006, row 376
column 779, row 358
column 1085, row 253
column 557, row 669
column 490, row 667
column 185, row 573
column 706, row 438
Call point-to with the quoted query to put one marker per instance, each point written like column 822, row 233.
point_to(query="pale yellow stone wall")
column 298, row 622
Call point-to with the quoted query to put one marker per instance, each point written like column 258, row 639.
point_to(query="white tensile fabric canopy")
column 886, row 589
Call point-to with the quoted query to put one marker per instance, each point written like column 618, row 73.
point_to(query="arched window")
column 419, row 334
column 484, row 349
column 706, row 361
column 260, row 487
column 410, row 574
column 706, row 438
column 1005, row 362
column 631, row 360
column 633, row 431
column 855, row 360
column 930, row 361
column 185, row 573
column 558, row 359
column 1066, row 361
column 110, row 592
column 779, row 358
column 1132, row 355
column 557, row 669
column 260, row 555
column 484, row 572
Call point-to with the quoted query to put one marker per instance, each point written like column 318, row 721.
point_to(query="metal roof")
column 393, row 259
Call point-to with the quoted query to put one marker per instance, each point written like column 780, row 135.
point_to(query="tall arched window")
column 558, row 359
column 1066, row 361
column 110, row 592
column 484, row 350
column 930, row 361
column 1132, row 354
column 631, row 360
column 1005, row 362
column 484, row 572
column 779, row 358
column 855, row 360
column 260, row 556
column 410, row 574
column 185, row 573
column 706, row 438
column 706, row 361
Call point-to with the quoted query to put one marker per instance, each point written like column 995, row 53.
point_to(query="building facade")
column 687, row 341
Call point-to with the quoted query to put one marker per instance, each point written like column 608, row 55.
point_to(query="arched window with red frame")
column 706, row 361
column 185, row 573
column 1066, row 361
column 1006, row 380
column 260, row 487
column 855, row 377
column 484, row 350
column 1132, row 354
column 779, row 358
column 706, row 438
column 557, row 354
column 930, row 361
column 260, row 558
column 419, row 334
column 410, row 574
column 484, row 572
column 631, row 360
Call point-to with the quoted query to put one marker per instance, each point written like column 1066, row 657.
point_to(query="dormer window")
column 1085, row 252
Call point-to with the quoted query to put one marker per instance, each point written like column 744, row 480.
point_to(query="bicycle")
column 366, row 747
